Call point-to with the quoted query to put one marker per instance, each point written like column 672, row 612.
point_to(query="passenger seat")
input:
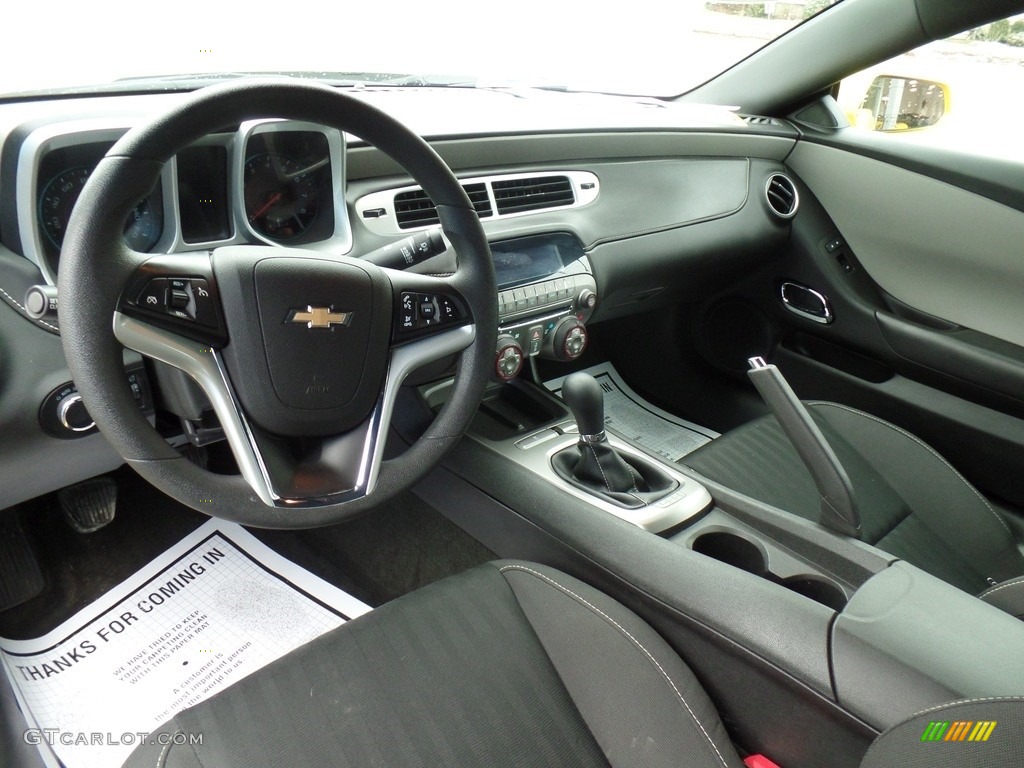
column 912, row 503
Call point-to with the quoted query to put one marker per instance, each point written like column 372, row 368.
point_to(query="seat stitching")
column 928, row 448
column 22, row 308
column 167, row 747
column 1004, row 585
column 635, row 642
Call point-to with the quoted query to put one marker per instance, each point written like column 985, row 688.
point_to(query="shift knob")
column 583, row 395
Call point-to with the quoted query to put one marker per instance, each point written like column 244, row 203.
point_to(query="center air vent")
column 521, row 195
column 782, row 196
column 415, row 209
column 389, row 212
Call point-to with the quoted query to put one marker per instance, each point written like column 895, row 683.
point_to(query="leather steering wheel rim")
column 96, row 265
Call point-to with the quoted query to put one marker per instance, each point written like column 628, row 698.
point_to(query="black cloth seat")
column 913, row 504
column 507, row 664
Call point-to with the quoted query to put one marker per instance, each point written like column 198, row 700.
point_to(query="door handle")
column 806, row 302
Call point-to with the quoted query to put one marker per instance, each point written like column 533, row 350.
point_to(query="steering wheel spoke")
column 290, row 473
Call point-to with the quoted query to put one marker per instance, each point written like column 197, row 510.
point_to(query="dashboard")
column 593, row 213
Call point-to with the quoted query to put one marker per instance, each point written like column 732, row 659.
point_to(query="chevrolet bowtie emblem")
column 319, row 317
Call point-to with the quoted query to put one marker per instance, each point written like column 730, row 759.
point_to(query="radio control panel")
column 547, row 315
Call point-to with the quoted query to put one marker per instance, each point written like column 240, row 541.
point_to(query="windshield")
column 655, row 49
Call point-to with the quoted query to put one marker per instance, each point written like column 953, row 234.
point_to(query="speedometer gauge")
column 280, row 195
column 141, row 230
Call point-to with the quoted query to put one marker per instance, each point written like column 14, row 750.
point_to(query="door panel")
column 925, row 279
column 940, row 249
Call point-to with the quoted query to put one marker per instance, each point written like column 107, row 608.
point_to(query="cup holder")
column 824, row 592
column 747, row 556
column 733, row 550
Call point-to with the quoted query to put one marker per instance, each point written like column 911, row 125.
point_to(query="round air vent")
column 782, row 197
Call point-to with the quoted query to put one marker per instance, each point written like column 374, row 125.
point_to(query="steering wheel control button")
column 154, row 295
column 407, row 314
column 418, row 311
column 205, row 307
column 179, row 299
column 186, row 298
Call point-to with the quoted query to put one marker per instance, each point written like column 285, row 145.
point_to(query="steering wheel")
column 300, row 354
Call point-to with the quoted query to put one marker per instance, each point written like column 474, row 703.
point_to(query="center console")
column 534, row 430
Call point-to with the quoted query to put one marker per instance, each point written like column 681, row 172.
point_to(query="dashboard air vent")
column 758, row 120
column 782, row 196
column 519, row 195
column 415, row 209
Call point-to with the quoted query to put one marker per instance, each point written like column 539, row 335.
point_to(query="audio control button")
column 417, row 311
column 586, row 300
column 449, row 312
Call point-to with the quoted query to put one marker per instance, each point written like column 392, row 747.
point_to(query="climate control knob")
column 567, row 340
column 508, row 359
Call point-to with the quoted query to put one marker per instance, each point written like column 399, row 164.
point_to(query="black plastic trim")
column 968, row 355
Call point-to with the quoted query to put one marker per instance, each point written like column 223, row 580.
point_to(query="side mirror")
column 903, row 103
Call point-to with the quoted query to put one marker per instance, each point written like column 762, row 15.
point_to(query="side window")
column 965, row 93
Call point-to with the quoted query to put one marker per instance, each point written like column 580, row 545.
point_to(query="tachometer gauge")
column 280, row 195
column 141, row 230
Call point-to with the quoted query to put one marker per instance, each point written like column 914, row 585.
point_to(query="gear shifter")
column 593, row 464
column 583, row 395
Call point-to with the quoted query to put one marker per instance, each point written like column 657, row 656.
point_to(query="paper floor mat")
column 209, row 611
column 645, row 425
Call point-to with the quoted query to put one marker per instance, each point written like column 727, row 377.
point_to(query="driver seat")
column 509, row 663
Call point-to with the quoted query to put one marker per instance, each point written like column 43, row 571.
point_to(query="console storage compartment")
column 942, row 644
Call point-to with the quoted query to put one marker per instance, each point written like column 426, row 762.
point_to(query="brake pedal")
column 89, row 505
column 20, row 577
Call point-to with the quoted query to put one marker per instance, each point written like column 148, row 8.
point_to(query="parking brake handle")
column 838, row 508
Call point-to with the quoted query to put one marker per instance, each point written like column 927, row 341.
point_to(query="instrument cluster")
column 271, row 181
